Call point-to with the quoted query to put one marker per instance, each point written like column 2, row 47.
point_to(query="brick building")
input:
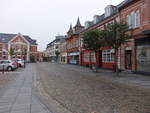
column 134, row 55
column 73, row 43
column 105, row 55
column 23, row 47
column 40, row 56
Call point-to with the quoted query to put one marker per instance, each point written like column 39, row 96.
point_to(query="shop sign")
column 73, row 54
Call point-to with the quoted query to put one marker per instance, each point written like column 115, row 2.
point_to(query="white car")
column 20, row 62
column 7, row 65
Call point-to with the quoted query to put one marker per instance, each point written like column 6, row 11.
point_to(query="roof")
column 78, row 24
column 102, row 17
column 70, row 29
column 124, row 3
column 56, row 40
column 5, row 38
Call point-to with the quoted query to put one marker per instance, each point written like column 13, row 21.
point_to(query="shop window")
column 86, row 57
column 93, row 58
column 107, row 56
column 143, row 58
column 63, row 59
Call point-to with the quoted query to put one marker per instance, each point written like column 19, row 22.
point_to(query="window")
column 86, row 57
column 93, row 58
column 133, row 19
column 77, row 43
column 137, row 18
column 107, row 56
column 0, row 47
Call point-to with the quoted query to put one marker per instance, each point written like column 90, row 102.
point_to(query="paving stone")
column 81, row 91
column 19, row 98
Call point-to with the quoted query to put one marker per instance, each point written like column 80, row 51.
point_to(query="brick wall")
column 33, row 48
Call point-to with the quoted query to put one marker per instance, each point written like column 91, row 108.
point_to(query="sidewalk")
column 132, row 79
column 137, row 80
column 19, row 98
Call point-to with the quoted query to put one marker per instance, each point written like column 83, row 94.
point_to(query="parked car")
column 8, row 65
column 20, row 62
column 15, row 62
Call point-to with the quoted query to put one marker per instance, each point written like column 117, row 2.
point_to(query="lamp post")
column 24, row 53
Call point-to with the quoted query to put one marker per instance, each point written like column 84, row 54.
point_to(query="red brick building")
column 23, row 47
column 105, row 56
column 40, row 56
column 134, row 55
column 73, row 43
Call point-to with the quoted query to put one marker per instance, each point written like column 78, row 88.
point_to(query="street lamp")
column 24, row 53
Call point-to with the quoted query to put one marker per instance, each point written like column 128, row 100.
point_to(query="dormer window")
column 88, row 24
column 96, row 19
column 109, row 10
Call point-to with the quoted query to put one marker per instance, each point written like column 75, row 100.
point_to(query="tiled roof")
column 102, row 17
column 31, row 41
column 124, row 3
column 56, row 40
column 5, row 38
column 78, row 24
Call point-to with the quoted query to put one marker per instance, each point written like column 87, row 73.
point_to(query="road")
column 73, row 89
column 58, row 88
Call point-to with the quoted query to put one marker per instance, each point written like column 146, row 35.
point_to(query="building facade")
column 105, row 55
column 40, row 56
column 17, row 46
column 134, row 55
column 52, row 49
column 73, row 43
column 63, row 52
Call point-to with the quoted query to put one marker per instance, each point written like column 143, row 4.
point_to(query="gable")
column 19, row 40
column 7, row 38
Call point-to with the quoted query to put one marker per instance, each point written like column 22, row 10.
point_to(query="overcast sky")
column 44, row 19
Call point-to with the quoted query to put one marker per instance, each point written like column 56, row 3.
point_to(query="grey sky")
column 44, row 19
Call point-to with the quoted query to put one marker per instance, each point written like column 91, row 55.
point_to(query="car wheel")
column 9, row 68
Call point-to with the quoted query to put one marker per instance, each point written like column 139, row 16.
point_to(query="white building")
column 52, row 48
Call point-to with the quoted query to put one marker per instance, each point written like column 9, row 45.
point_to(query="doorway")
column 128, row 61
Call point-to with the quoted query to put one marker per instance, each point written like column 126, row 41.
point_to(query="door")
column 128, row 61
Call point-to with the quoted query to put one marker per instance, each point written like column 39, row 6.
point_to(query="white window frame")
column 107, row 56
column 137, row 18
column 133, row 20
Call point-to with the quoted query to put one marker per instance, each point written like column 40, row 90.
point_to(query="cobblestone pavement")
column 128, row 78
column 78, row 90
column 18, row 96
